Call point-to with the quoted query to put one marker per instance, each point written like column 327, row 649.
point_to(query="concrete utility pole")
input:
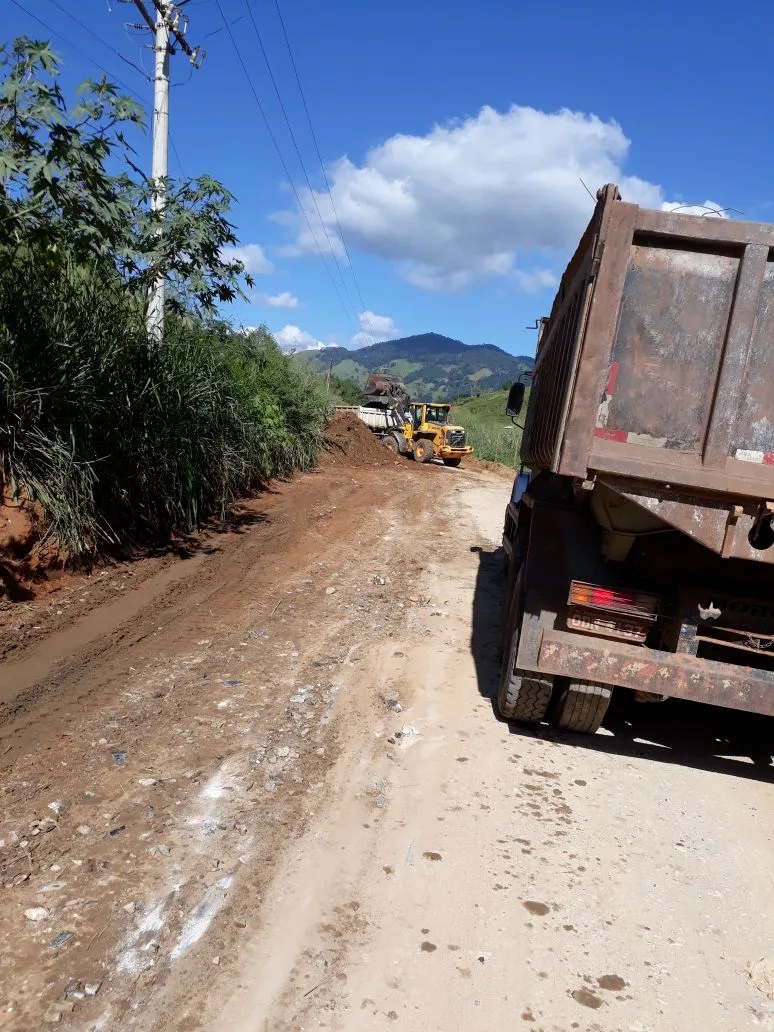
column 160, row 166
column 169, row 31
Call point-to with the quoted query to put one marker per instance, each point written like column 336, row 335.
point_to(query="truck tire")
column 523, row 696
column 452, row 462
column 582, row 706
column 423, row 450
column 391, row 442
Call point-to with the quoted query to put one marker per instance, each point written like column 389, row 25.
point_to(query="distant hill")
column 434, row 367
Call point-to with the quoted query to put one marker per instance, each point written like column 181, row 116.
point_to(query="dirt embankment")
column 41, row 593
column 32, row 567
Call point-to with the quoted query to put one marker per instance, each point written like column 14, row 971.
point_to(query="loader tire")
column 423, row 450
column 452, row 462
column 523, row 696
column 582, row 706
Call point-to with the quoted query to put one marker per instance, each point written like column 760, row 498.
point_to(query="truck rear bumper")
column 583, row 657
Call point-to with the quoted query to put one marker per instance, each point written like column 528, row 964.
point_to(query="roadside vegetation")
column 342, row 391
column 112, row 437
column 492, row 434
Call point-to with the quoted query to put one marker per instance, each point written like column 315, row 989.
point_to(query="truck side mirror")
column 515, row 399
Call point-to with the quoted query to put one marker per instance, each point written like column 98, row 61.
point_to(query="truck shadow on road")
column 686, row 733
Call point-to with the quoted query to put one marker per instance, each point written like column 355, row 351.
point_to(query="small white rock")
column 330, row 591
column 83, row 829
column 36, row 914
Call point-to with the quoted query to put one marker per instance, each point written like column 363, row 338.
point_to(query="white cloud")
column 251, row 256
column 293, row 338
column 535, row 280
column 380, row 325
column 374, row 328
column 283, row 300
column 708, row 210
column 495, row 195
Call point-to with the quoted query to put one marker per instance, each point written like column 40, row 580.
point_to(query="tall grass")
column 495, row 445
column 121, row 440
column 489, row 430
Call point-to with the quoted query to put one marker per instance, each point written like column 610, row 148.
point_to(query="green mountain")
column 433, row 367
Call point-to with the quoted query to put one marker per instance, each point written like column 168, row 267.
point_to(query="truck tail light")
column 611, row 612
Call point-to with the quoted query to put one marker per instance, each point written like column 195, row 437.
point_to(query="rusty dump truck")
column 640, row 544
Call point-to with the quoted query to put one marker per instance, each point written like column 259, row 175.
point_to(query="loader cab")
column 422, row 413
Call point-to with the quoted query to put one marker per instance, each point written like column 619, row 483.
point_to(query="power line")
column 98, row 38
column 81, row 53
column 279, row 154
column 322, row 163
column 88, row 57
column 298, row 153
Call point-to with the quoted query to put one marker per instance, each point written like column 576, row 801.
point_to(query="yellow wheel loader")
column 419, row 428
column 432, row 436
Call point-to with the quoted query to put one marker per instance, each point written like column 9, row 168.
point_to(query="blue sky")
column 454, row 136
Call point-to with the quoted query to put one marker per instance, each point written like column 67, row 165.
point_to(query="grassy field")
column 489, row 430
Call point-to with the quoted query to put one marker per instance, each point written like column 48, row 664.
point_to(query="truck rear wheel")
column 582, row 706
column 523, row 696
column 452, row 462
column 423, row 450
column 391, row 442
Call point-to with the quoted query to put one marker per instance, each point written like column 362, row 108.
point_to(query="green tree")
column 57, row 196
column 345, row 389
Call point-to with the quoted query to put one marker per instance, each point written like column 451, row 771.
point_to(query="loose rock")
column 60, row 940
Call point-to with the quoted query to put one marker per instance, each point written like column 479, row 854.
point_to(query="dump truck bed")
column 657, row 363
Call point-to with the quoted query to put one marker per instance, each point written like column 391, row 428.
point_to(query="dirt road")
column 263, row 788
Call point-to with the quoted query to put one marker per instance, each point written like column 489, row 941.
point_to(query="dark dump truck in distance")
column 641, row 543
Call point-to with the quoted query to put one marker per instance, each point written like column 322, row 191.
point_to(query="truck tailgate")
column 658, row 362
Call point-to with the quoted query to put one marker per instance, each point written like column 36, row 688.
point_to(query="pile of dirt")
column 349, row 442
